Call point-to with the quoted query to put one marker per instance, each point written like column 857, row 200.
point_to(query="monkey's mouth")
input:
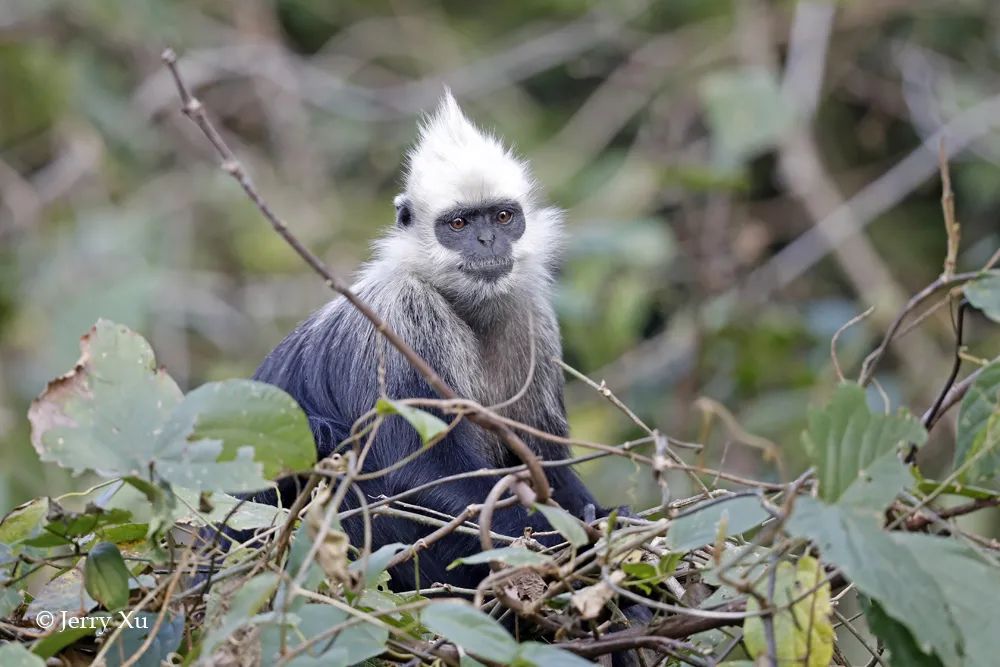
column 489, row 269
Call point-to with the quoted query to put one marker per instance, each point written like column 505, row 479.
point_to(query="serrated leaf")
column 427, row 425
column 855, row 451
column 903, row 648
column 471, row 629
column 15, row 655
column 984, row 294
column 513, row 556
column 700, row 524
column 940, row 590
column 166, row 641
column 353, row 645
column 244, row 414
column 802, row 625
column 535, row 654
column 564, row 522
column 980, row 404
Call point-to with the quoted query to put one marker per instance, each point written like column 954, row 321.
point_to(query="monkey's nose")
column 486, row 238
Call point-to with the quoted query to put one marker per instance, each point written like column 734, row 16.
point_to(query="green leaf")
column 106, row 577
column 354, row 644
column 105, row 414
column 474, row 631
column 802, row 625
column 855, row 450
column 63, row 636
column 940, row 590
column 166, row 641
column 64, row 592
column 248, row 514
column 377, row 562
column 24, row 521
column 564, row 522
column 62, row 526
column 248, row 600
column 427, row 425
column 700, row 525
column 513, row 556
column 903, row 648
column 984, row 294
column 976, row 437
column 535, row 654
column 245, row 414
column 15, row 655
column 118, row 414
column 10, row 600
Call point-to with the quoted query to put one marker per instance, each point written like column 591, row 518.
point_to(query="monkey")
column 465, row 276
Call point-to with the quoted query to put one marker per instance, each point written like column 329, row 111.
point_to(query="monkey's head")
column 468, row 221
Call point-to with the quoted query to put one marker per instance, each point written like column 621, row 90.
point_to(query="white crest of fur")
column 454, row 163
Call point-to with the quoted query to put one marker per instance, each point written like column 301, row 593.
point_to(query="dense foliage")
column 744, row 180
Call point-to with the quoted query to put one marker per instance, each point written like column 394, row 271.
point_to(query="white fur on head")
column 456, row 164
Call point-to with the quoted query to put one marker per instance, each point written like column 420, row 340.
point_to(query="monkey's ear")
column 403, row 214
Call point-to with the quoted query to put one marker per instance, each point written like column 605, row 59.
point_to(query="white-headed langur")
column 465, row 277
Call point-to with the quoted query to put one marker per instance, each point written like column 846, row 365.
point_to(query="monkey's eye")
column 458, row 224
column 504, row 216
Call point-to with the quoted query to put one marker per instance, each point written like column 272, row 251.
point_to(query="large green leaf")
column 244, row 413
column 855, row 451
column 984, row 294
column 976, row 437
column 903, row 648
column 700, row 525
column 940, row 590
column 106, row 413
column 118, row 414
column 474, row 631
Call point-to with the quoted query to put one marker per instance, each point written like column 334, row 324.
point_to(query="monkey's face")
column 482, row 237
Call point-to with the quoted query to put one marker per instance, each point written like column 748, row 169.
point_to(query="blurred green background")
column 695, row 144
